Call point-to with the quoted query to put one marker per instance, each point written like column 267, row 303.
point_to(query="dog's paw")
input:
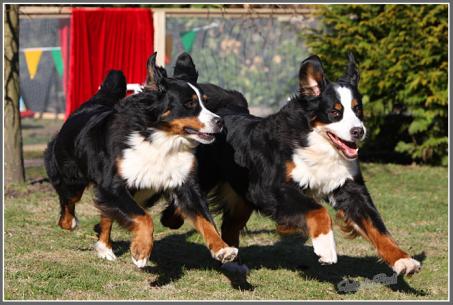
column 74, row 223
column 104, row 252
column 68, row 222
column 140, row 263
column 324, row 247
column 234, row 267
column 226, row 255
column 406, row 266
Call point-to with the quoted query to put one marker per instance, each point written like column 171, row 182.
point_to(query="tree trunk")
column 14, row 160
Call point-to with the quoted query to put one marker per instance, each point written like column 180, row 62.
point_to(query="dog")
column 285, row 164
column 132, row 149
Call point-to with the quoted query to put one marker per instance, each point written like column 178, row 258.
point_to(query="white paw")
column 406, row 265
column 225, row 255
column 234, row 267
column 74, row 223
column 140, row 263
column 104, row 252
column 324, row 247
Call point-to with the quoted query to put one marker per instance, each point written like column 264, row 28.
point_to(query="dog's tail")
column 113, row 87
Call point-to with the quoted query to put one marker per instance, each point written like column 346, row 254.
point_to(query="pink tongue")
column 349, row 151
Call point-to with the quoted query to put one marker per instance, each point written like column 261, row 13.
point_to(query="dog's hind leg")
column 171, row 217
column 236, row 213
column 68, row 220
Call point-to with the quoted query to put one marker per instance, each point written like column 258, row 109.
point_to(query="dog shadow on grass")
column 174, row 254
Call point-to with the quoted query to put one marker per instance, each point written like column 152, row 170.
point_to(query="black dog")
column 133, row 148
column 285, row 164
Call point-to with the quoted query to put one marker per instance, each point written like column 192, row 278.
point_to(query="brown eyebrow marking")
column 354, row 103
column 194, row 97
column 338, row 106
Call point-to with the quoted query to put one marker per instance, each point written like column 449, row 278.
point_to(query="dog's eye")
column 334, row 113
column 357, row 109
column 191, row 104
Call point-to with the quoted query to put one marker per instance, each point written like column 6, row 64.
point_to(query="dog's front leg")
column 192, row 204
column 355, row 206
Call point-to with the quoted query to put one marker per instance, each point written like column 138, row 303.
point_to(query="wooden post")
column 14, row 160
column 159, row 36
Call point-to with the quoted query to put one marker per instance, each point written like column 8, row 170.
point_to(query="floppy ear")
column 351, row 76
column 185, row 69
column 155, row 79
column 312, row 79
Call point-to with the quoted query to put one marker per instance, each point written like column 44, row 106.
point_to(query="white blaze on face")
column 206, row 117
column 349, row 120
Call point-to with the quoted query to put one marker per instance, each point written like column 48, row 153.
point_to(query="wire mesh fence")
column 256, row 55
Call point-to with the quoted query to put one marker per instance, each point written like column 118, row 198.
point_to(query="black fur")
column 251, row 154
column 93, row 139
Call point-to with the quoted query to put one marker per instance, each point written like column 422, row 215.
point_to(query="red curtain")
column 104, row 39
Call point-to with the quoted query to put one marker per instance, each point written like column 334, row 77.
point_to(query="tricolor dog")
column 284, row 165
column 131, row 148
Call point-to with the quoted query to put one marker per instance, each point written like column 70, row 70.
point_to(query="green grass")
column 43, row 261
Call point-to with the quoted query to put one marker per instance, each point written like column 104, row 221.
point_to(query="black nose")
column 219, row 122
column 357, row 133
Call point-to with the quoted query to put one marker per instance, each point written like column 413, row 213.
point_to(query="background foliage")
column 402, row 52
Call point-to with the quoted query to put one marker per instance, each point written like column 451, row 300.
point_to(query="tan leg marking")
column 142, row 240
column 67, row 220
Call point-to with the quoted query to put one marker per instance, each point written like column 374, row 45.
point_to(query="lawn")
column 44, row 262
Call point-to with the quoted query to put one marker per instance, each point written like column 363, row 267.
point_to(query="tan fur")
column 142, row 241
column 105, row 227
column 318, row 222
column 177, row 126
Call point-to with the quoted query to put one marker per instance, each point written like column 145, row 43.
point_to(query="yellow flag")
column 32, row 57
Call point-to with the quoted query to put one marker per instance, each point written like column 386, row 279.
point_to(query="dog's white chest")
column 320, row 168
column 163, row 162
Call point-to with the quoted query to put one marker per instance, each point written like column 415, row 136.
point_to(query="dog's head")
column 336, row 106
column 184, row 112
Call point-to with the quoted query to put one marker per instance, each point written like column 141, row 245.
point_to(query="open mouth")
column 349, row 149
column 203, row 135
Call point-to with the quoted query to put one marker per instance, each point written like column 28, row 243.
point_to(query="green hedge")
column 402, row 51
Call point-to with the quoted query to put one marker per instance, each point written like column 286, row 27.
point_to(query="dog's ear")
column 351, row 76
column 312, row 78
column 155, row 79
column 185, row 69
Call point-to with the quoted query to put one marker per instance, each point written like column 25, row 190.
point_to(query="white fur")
column 406, row 266
column 206, row 117
column 162, row 162
column 74, row 223
column 324, row 247
column 349, row 120
column 104, row 252
column 140, row 263
column 320, row 167
column 226, row 254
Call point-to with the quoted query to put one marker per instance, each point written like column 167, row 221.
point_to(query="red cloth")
column 104, row 39
column 64, row 45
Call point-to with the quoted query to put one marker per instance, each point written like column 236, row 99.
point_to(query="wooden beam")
column 288, row 10
column 159, row 36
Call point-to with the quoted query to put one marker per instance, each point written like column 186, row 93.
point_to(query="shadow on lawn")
column 174, row 254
